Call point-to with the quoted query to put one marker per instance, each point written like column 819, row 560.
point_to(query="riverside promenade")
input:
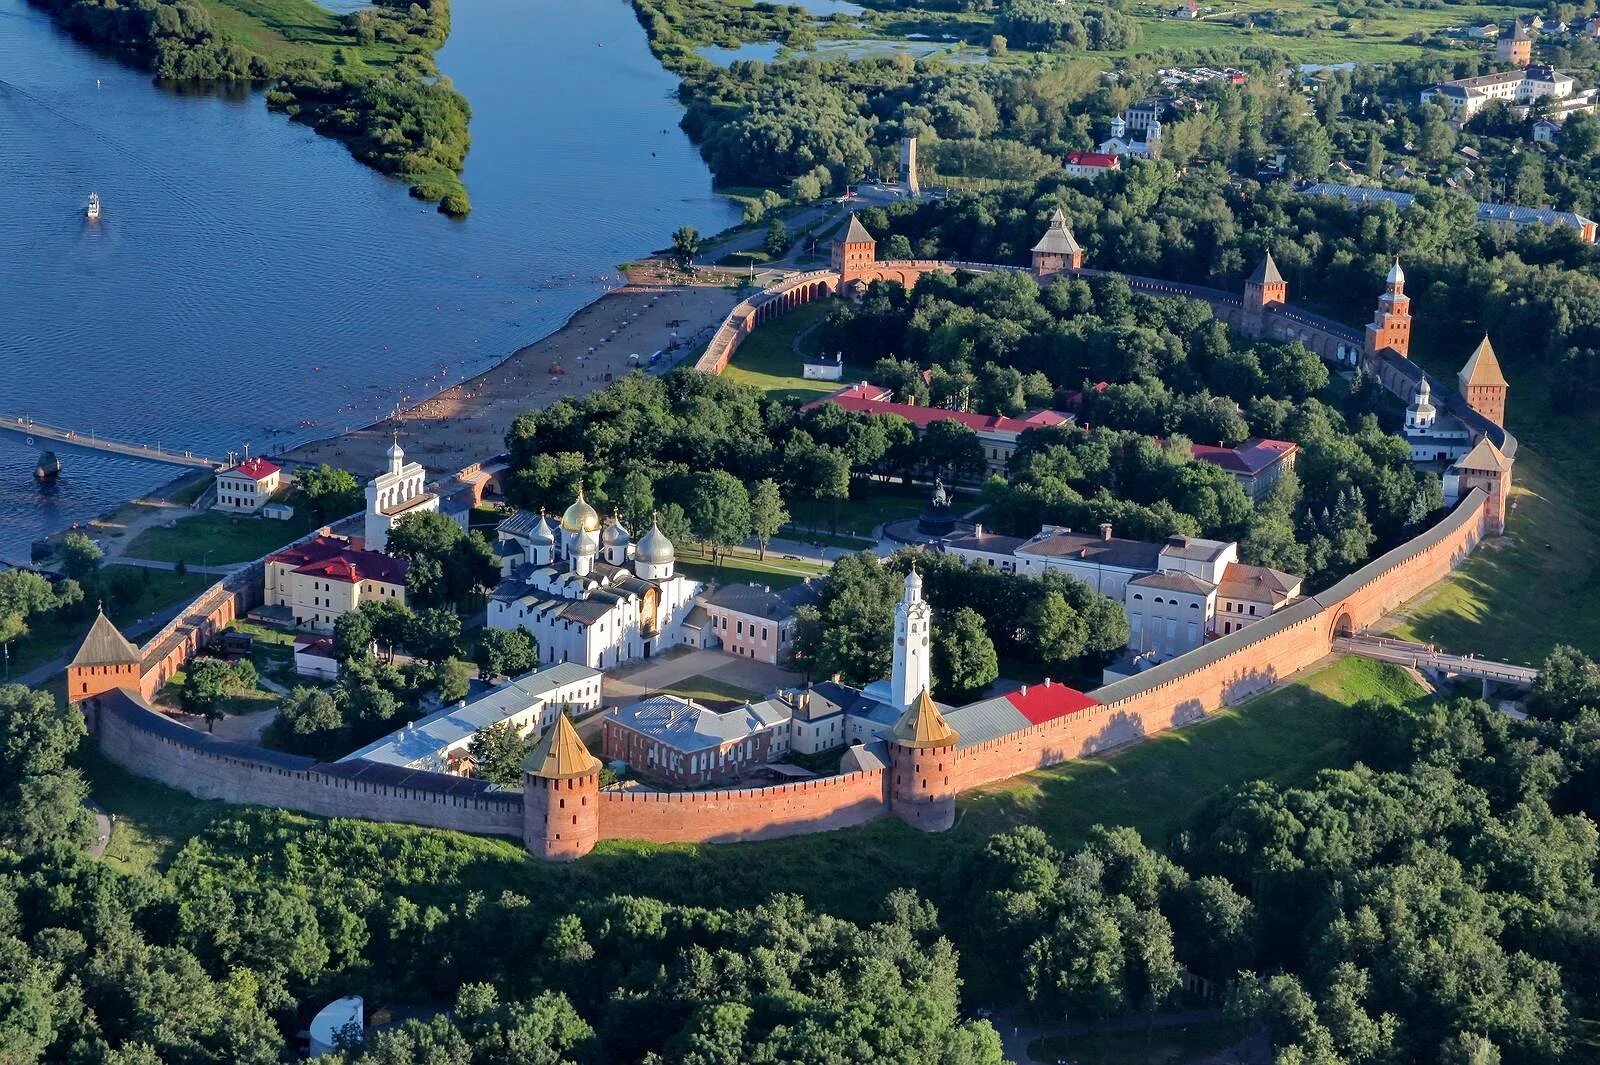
column 36, row 431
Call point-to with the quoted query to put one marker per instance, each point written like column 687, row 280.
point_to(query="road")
column 1425, row 656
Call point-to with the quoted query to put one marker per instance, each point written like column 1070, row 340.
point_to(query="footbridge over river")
column 38, row 432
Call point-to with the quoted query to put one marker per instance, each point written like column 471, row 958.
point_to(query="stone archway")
column 1343, row 625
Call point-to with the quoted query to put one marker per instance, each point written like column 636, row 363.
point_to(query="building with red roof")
column 323, row 578
column 1091, row 164
column 247, row 487
column 996, row 432
column 1256, row 464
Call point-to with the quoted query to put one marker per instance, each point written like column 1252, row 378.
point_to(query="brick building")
column 683, row 743
column 752, row 620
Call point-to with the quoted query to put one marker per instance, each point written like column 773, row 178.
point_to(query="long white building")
column 1177, row 594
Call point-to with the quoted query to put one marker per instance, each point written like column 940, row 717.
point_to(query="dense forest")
column 396, row 114
column 1434, row 903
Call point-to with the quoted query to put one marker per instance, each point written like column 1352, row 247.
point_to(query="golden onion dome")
column 580, row 517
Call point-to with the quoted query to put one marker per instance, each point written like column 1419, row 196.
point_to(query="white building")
column 587, row 594
column 321, row 579
column 247, row 487
column 396, row 493
column 1434, row 437
column 1177, row 594
column 823, row 367
column 313, row 657
column 1467, row 96
column 529, row 703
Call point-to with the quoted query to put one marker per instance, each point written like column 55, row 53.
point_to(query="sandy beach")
column 467, row 422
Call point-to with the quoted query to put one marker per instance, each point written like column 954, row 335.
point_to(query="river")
column 249, row 282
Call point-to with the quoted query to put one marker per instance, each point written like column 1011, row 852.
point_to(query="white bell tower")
column 913, row 636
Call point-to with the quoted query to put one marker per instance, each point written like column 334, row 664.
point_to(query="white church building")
column 588, row 594
column 396, row 493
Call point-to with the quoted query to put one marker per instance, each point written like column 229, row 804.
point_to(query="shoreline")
column 467, row 422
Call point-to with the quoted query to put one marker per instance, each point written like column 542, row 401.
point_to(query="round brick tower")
column 560, row 795
column 922, row 755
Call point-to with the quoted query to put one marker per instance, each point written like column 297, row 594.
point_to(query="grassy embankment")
column 1516, row 598
column 215, row 539
column 1156, row 786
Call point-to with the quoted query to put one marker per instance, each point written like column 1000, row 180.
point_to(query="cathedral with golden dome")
column 586, row 591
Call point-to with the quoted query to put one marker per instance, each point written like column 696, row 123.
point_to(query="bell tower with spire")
column 1391, row 325
column 913, row 625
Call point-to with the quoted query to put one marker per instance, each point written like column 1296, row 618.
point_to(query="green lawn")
column 710, row 691
column 151, row 821
column 284, row 29
column 1157, row 785
column 52, row 636
column 871, row 504
column 776, row 571
column 1162, row 1046
column 1516, row 599
column 768, row 361
column 214, row 539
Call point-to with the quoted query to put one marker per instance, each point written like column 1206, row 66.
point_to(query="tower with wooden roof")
column 1391, row 325
column 855, row 254
column 1262, row 289
column 1515, row 47
column 1482, row 384
column 1485, row 467
column 922, row 756
column 105, row 661
column 560, row 795
column 1057, row 250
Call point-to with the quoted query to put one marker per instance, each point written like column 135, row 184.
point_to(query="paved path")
column 102, row 829
column 1426, row 656
column 150, row 563
column 38, row 431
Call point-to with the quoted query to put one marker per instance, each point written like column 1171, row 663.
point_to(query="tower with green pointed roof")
column 560, row 795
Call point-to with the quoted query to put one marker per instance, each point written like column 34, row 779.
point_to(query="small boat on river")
column 93, row 210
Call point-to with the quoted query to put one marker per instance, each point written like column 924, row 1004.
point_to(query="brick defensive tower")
column 922, row 755
column 106, row 661
column 1057, row 250
column 560, row 795
column 855, row 254
column 1391, row 325
column 1482, row 384
column 1262, row 289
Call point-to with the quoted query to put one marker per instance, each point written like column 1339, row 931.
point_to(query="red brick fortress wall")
column 744, row 813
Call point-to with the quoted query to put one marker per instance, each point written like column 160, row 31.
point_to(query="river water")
column 249, row 282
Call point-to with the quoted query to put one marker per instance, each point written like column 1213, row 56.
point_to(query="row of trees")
column 1150, row 375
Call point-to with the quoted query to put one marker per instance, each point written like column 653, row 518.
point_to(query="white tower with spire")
column 396, row 493
column 913, row 641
